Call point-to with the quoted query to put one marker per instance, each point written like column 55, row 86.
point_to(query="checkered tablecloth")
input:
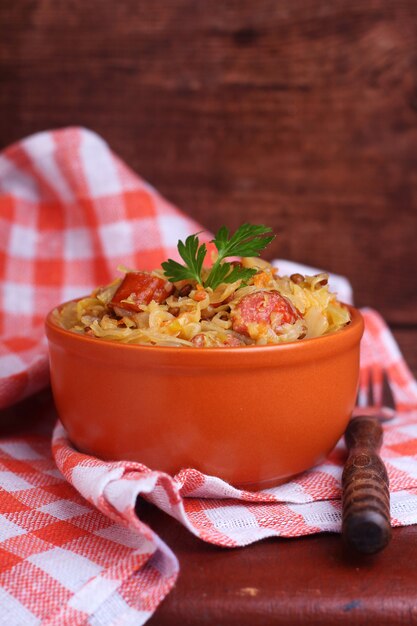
column 72, row 548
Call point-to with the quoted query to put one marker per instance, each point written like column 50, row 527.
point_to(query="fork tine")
column 370, row 390
column 374, row 394
column 375, row 387
column 388, row 397
column 362, row 397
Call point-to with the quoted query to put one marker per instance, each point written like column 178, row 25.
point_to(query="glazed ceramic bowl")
column 253, row 416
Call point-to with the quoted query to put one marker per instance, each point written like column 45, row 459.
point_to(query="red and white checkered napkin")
column 75, row 552
column 62, row 562
column 70, row 212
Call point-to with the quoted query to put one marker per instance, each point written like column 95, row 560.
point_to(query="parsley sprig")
column 193, row 254
column 248, row 240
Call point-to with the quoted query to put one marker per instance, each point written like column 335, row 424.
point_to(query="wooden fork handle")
column 365, row 488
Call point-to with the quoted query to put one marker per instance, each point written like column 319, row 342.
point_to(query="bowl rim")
column 354, row 328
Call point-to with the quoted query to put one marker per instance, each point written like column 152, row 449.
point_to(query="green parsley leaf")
column 193, row 254
column 239, row 273
column 248, row 240
column 228, row 273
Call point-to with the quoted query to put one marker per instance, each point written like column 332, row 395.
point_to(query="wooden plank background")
column 301, row 114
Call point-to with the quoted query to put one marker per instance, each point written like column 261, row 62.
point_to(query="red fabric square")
column 49, row 273
column 8, row 560
column 59, row 533
column 7, row 206
column 10, row 504
column 138, row 203
column 406, row 448
column 51, row 216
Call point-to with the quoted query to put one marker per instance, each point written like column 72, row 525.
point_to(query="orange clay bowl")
column 254, row 416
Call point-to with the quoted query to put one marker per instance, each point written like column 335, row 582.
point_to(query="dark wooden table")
column 312, row 580
column 309, row 581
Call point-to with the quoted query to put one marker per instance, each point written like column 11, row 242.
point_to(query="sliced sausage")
column 141, row 288
column 233, row 342
column 199, row 340
column 263, row 307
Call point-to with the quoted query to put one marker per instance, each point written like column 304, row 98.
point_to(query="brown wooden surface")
column 312, row 581
column 302, row 114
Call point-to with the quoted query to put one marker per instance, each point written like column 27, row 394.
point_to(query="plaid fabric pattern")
column 62, row 562
column 70, row 213
column 72, row 548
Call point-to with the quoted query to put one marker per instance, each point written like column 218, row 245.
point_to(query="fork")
column 365, row 486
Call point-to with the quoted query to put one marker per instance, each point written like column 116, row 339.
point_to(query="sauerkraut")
column 267, row 309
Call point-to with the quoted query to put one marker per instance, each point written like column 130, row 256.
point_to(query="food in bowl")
column 230, row 304
column 253, row 414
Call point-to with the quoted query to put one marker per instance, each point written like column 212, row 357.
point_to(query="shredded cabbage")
column 206, row 317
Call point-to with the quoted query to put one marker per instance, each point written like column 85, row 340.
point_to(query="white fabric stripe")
column 23, row 242
column 410, row 430
column 41, row 149
column 20, row 450
column 321, row 515
column 389, row 343
column 78, row 244
column 289, row 492
column 69, row 568
column 145, row 234
column 69, row 292
column 404, row 507
column 13, row 613
column 329, row 469
column 10, row 365
column 164, row 560
column 232, row 519
column 98, row 166
column 116, row 611
column 91, row 481
column 93, row 594
column 245, row 536
column 18, row 297
column 17, row 182
column 127, row 537
column 403, row 395
column 406, row 464
column 8, row 529
column 117, row 238
column 64, row 509
column 172, row 228
column 11, row 482
column 123, row 493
